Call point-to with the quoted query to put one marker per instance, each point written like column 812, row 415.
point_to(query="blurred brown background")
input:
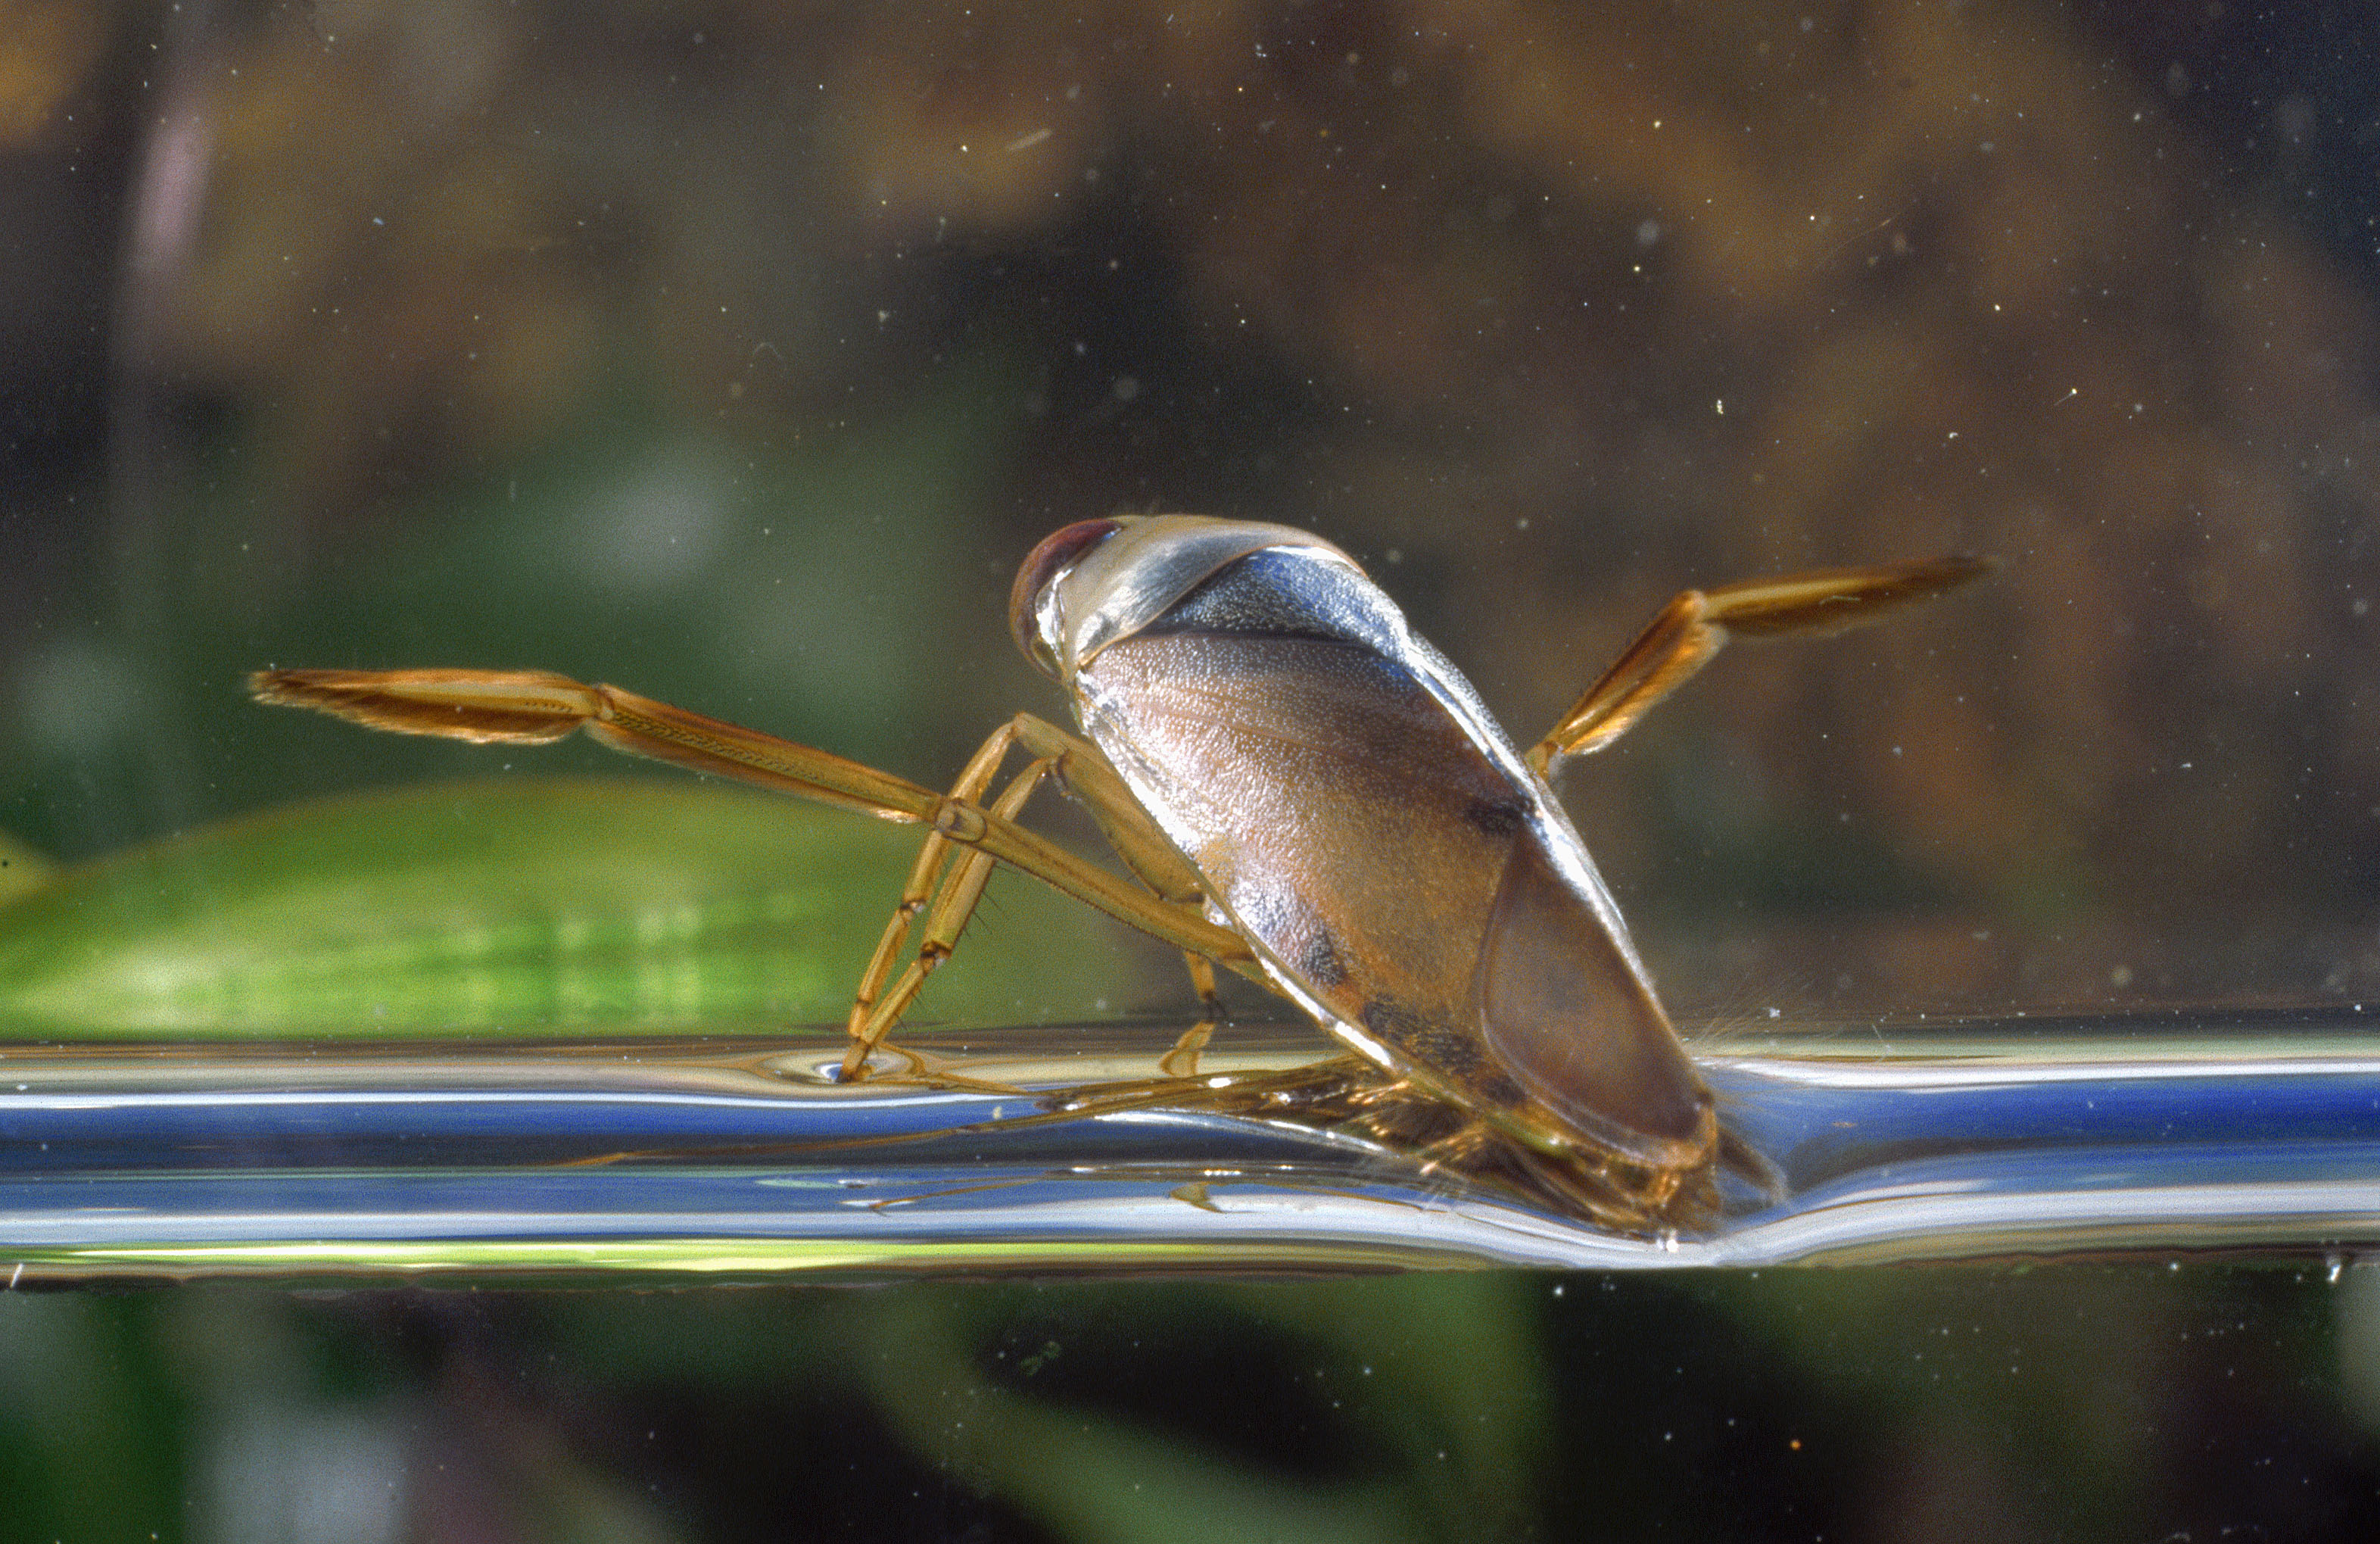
column 737, row 352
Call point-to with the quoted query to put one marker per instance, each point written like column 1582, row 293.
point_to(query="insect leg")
column 1683, row 635
column 1085, row 772
column 533, row 707
column 1182, row 1059
column 925, row 877
column 1679, row 641
column 1080, row 768
column 954, row 907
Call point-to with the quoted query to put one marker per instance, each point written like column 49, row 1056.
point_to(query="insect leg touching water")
column 1304, row 791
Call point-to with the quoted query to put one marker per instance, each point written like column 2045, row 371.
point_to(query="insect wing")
column 1363, row 822
column 1563, row 1007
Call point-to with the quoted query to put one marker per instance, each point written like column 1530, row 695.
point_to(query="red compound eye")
column 1057, row 551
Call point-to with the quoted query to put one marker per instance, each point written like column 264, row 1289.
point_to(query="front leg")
column 945, row 885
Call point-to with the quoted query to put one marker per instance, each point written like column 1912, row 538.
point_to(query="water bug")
column 1304, row 791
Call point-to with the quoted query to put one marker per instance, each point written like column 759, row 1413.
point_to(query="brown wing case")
column 1358, row 833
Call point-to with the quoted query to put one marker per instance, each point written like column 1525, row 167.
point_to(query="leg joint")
column 959, row 820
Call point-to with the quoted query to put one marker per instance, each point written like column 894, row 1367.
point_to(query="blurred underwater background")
column 736, row 352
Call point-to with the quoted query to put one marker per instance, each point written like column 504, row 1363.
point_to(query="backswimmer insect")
column 1304, row 791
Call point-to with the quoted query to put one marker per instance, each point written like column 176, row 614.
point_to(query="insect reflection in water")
column 1304, row 793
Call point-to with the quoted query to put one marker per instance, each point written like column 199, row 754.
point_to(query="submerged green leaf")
column 22, row 868
column 518, row 907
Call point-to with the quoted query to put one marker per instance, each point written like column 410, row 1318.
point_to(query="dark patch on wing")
column 1498, row 1089
column 1430, row 1041
column 1319, row 962
column 1496, row 817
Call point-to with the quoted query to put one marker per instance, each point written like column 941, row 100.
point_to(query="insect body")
column 1355, row 814
column 1306, row 793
